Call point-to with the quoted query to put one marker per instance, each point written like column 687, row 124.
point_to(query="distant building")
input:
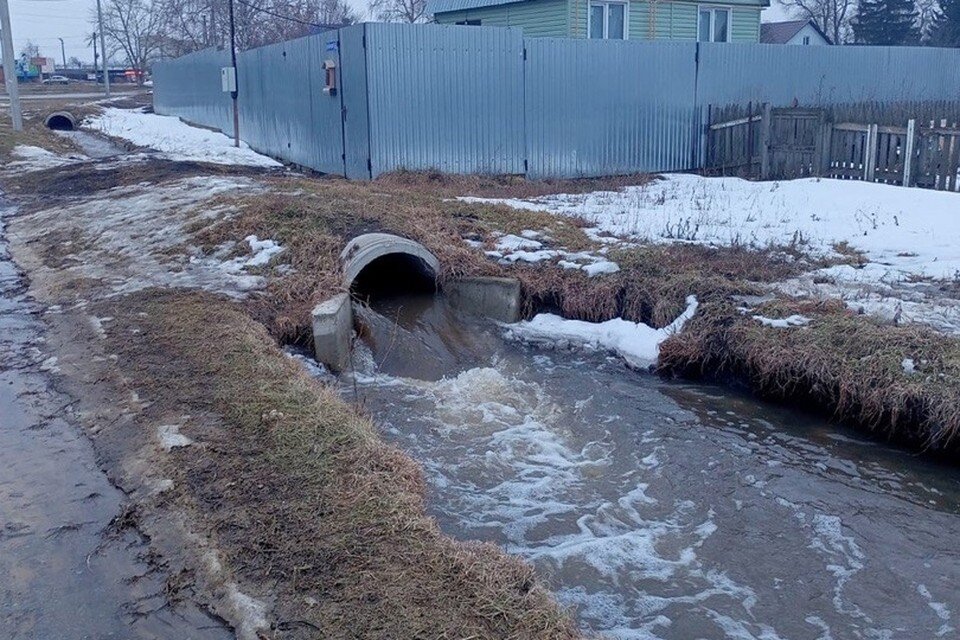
column 698, row 20
column 792, row 32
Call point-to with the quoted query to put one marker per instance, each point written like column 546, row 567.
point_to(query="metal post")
column 63, row 53
column 9, row 69
column 103, row 51
column 765, row 125
column 908, row 152
column 236, row 79
column 870, row 161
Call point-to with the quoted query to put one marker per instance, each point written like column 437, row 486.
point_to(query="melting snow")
column 31, row 158
column 175, row 139
column 171, row 438
column 637, row 343
column 795, row 320
column 263, row 252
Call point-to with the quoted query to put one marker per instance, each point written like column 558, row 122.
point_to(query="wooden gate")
column 766, row 143
column 795, row 143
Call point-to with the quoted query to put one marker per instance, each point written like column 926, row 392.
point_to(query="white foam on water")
column 500, row 451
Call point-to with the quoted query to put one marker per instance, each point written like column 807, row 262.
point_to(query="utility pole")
column 63, row 53
column 95, row 58
column 9, row 68
column 236, row 78
column 103, row 50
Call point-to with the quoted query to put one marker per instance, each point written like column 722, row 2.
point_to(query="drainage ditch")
column 656, row 509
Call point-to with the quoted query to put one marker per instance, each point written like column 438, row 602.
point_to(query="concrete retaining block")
column 495, row 298
column 332, row 332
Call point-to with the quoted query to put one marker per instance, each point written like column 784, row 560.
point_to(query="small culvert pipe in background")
column 60, row 121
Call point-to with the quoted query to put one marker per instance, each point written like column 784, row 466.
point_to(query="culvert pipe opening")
column 60, row 121
column 394, row 275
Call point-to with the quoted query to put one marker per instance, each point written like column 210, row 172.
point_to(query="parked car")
column 56, row 80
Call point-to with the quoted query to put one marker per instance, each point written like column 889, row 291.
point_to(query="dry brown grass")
column 33, row 134
column 481, row 186
column 304, row 498
column 846, row 364
column 313, row 219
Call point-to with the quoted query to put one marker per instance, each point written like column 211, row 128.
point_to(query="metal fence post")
column 765, row 142
column 908, row 153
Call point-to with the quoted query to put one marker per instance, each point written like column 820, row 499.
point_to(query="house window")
column 608, row 20
column 714, row 25
column 806, row 39
column 468, row 23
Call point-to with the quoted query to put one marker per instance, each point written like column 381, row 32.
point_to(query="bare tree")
column 30, row 50
column 132, row 28
column 831, row 16
column 399, row 10
column 189, row 25
column 926, row 14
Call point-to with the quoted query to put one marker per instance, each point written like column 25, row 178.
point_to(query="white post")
column 870, row 162
column 9, row 68
column 908, row 152
column 103, row 51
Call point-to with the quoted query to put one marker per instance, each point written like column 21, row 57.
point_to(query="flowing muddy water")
column 65, row 575
column 662, row 510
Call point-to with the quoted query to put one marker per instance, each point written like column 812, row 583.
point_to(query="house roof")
column 782, row 32
column 441, row 6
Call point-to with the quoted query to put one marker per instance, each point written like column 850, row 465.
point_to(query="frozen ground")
column 910, row 237
column 29, row 158
column 173, row 138
column 133, row 237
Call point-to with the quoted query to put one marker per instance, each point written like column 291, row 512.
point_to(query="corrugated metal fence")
column 487, row 100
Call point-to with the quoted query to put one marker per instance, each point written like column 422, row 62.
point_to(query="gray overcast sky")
column 43, row 21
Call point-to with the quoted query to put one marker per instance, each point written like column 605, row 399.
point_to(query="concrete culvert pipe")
column 60, row 121
column 369, row 247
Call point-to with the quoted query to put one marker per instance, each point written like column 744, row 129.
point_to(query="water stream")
column 663, row 510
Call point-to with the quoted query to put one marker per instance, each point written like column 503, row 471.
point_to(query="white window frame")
column 713, row 21
column 606, row 17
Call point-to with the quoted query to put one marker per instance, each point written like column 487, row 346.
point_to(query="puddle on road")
column 62, row 576
column 672, row 511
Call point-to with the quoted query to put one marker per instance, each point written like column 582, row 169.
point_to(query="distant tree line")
column 137, row 32
column 884, row 22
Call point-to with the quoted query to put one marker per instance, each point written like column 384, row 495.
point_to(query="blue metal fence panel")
column 284, row 111
column 467, row 100
column 601, row 107
column 444, row 97
column 189, row 87
column 356, row 130
column 820, row 76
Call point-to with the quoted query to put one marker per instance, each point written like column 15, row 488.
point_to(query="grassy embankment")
column 848, row 365
column 301, row 494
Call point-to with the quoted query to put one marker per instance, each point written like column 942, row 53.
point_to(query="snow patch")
column 795, row 320
column 171, row 438
column 175, row 139
column 263, row 252
column 637, row 343
column 30, row 158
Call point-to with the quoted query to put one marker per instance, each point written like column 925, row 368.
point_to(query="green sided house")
column 733, row 21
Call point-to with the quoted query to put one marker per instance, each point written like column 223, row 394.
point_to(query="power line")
column 283, row 17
